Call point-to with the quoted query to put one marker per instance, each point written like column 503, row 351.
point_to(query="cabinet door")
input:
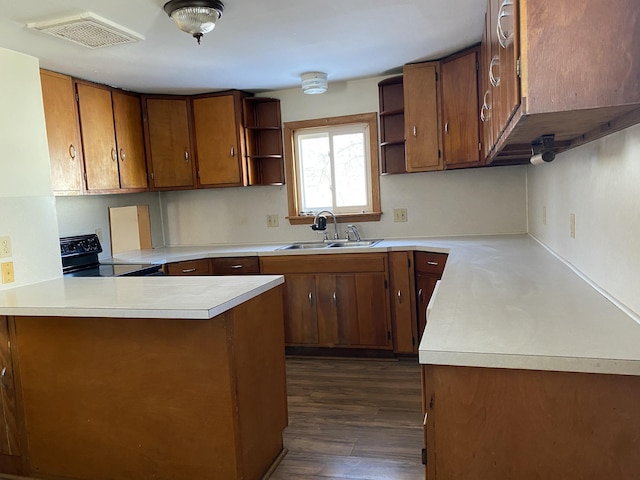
column 460, row 111
column 127, row 116
column 402, row 302
column 169, row 143
column 337, row 310
column 216, row 127
column 425, row 285
column 421, row 117
column 63, row 137
column 301, row 318
column 98, row 138
column 508, row 52
column 9, row 438
column 373, row 329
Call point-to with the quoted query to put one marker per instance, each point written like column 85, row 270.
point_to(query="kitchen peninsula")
column 143, row 377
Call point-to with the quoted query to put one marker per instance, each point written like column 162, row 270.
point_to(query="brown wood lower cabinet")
column 10, row 460
column 502, row 424
column 334, row 300
column 141, row 398
column 429, row 267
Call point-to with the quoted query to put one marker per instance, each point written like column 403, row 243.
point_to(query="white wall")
column 599, row 183
column 88, row 213
column 27, row 205
column 480, row 201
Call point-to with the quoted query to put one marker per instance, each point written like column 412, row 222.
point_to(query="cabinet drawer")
column 235, row 266
column 189, row 267
column 428, row 262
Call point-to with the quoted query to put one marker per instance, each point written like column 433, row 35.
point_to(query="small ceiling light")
column 195, row 17
column 314, row 82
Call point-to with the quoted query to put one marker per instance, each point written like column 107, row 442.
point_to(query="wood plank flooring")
column 352, row 419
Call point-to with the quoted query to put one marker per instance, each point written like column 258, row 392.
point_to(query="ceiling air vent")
column 87, row 29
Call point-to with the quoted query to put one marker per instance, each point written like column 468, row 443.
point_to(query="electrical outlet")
column 544, row 215
column 99, row 234
column 272, row 220
column 572, row 225
column 7, row 272
column 5, row 247
column 400, row 215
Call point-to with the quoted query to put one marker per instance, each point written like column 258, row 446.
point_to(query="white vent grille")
column 88, row 29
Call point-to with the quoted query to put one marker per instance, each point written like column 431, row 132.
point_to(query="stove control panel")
column 81, row 244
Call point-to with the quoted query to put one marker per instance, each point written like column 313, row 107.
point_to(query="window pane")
column 350, row 169
column 315, row 169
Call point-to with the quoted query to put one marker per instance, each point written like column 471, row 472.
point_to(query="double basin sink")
column 330, row 244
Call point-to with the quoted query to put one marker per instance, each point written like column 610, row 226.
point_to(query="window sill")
column 341, row 218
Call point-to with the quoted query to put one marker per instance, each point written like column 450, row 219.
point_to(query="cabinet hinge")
column 424, row 456
column 386, row 284
column 439, row 153
column 479, row 146
column 518, row 67
column 436, row 76
column 388, row 335
column 151, row 175
column 77, row 98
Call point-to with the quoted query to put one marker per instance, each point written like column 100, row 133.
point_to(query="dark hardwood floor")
column 352, row 419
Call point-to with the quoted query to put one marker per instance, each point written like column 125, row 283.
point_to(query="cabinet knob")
column 186, row 156
column 114, row 154
column 2, row 376
column 420, row 296
column 310, row 298
column 188, row 270
column 415, row 131
column 446, row 127
column 122, row 155
column 72, row 151
column 399, row 296
column 233, row 152
column 237, row 266
column 335, row 298
column 433, row 264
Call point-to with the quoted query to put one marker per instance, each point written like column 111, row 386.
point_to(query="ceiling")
column 257, row 45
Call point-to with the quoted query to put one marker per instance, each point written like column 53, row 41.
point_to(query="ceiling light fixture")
column 314, row 82
column 195, row 17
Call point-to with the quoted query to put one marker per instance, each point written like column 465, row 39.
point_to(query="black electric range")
column 80, row 259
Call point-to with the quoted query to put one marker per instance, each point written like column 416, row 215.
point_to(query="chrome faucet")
column 323, row 224
column 353, row 229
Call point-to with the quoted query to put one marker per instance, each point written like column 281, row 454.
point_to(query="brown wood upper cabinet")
column 459, row 89
column 219, row 140
column 422, row 144
column 168, row 142
column 112, row 139
column 63, row 136
column 551, row 75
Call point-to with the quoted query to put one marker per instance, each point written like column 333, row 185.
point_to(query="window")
column 332, row 163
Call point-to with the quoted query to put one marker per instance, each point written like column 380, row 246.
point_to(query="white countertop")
column 509, row 303
column 504, row 301
column 199, row 298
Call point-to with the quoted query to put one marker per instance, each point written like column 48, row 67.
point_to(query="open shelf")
column 263, row 134
column 392, row 131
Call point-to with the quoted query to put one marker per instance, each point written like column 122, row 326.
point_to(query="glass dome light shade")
column 195, row 17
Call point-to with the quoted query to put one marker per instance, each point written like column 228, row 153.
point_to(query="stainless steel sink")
column 355, row 243
column 302, row 245
column 330, row 244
